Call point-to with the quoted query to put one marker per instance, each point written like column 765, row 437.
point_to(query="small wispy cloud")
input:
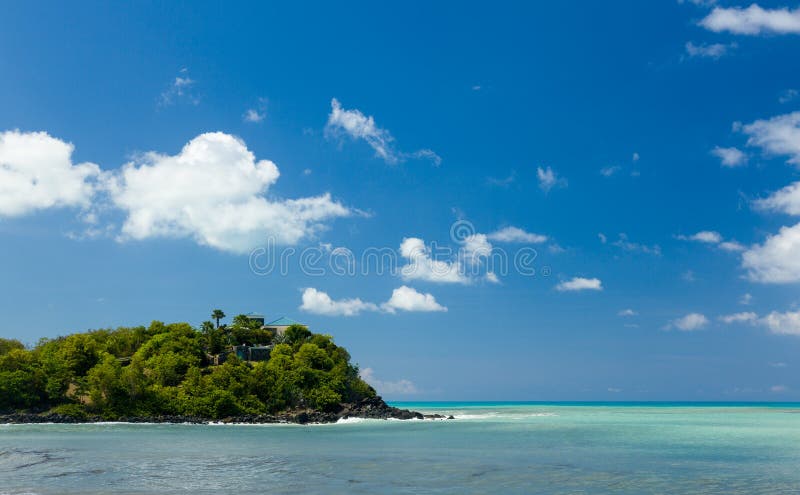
column 712, row 50
column 181, row 89
column 549, row 179
column 356, row 125
column 256, row 114
column 610, row 170
column 399, row 387
column 502, row 181
column 626, row 244
column 516, row 234
column 579, row 284
column 730, row 157
column 689, row 323
column 788, row 95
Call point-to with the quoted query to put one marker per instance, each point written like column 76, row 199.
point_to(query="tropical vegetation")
column 168, row 370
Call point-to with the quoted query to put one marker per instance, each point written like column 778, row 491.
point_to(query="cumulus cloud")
column 627, row 312
column 580, row 283
column 786, row 200
column 421, row 265
column 318, row 302
column 713, row 50
column 356, row 125
column 787, row 323
column 399, row 387
column 475, row 248
column 746, row 299
column 213, row 192
column 779, row 135
column 743, row 317
column 730, row 157
column 403, row 298
column 548, row 179
column 753, row 20
column 37, row 172
column 690, row 322
column 516, row 234
column 777, row 260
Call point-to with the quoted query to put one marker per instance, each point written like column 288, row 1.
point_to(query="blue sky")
column 642, row 155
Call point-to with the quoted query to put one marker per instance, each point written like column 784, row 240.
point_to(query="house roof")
column 282, row 322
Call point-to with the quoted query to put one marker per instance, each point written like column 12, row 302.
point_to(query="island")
column 246, row 372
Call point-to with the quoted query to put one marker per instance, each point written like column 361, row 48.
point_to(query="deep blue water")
column 491, row 448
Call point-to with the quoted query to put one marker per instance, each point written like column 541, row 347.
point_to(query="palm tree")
column 217, row 314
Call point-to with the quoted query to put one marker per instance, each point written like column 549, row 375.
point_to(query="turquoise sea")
column 490, row 448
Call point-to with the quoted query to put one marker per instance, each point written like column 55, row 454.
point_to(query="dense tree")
column 163, row 370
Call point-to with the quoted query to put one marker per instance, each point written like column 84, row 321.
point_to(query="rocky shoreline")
column 371, row 408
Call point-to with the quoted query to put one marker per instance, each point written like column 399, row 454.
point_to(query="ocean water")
column 496, row 448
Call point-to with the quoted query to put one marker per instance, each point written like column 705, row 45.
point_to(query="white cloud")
column 475, row 248
column 786, row 200
column 777, row 260
column 753, row 20
column 713, row 238
column 36, row 172
column 516, row 234
column 580, row 283
column 627, row 312
column 691, row 322
column 427, row 155
column 610, row 170
column 635, row 157
column 730, row 157
column 320, row 303
column 778, row 135
column 704, row 236
column 180, row 89
column 743, row 317
column 254, row 116
column 213, row 192
column 688, row 276
column 602, row 237
column 699, row 3
column 399, row 387
column 788, row 95
column 731, row 246
column 422, row 267
column 355, row 124
column 778, row 388
column 491, row 277
column 626, row 245
column 405, row 298
column 502, row 181
column 548, row 179
column 746, row 299
column 787, row 323
column 713, row 50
